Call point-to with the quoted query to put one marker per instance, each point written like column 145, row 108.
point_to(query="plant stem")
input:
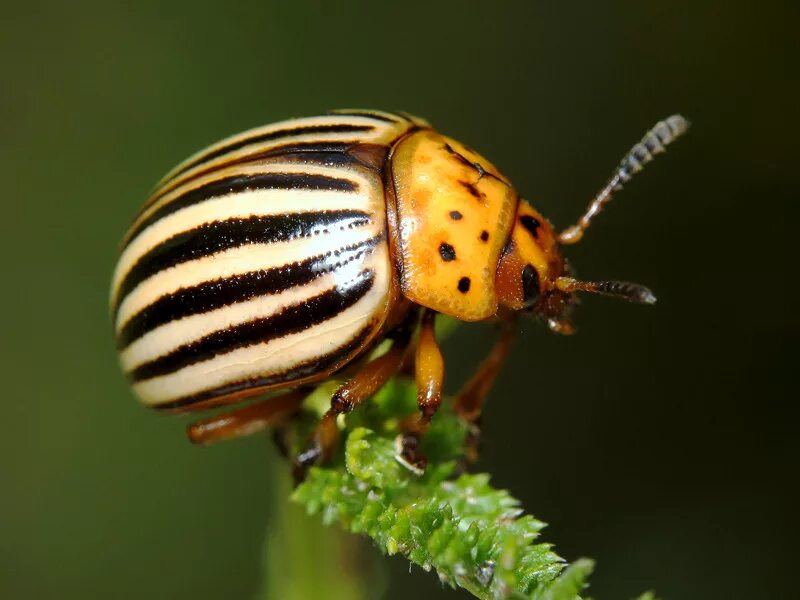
column 304, row 559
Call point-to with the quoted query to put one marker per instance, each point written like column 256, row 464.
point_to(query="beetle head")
column 534, row 277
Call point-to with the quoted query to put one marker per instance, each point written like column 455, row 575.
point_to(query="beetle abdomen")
column 248, row 275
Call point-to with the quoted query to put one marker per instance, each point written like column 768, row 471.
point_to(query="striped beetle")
column 281, row 256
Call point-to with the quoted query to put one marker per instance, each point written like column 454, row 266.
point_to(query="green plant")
column 474, row 536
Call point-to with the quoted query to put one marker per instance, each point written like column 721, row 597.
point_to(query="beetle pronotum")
column 280, row 256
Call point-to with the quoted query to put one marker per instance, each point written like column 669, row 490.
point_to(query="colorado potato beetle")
column 282, row 256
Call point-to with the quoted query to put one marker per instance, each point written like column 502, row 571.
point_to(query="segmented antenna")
column 654, row 142
column 632, row 292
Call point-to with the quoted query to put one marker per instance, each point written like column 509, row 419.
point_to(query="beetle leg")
column 351, row 394
column 429, row 374
column 469, row 400
column 249, row 419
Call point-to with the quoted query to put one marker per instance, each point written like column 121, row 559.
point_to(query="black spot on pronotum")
column 530, row 284
column 463, row 285
column 531, row 224
column 455, row 215
column 447, row 252
column 484, row 236
column 474, row 191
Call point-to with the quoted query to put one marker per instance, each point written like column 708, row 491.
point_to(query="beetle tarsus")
column 429, row 376
column 349, row 396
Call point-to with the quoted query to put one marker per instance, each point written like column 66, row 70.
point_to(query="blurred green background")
column 661, row 442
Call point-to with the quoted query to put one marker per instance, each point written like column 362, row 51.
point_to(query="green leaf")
column 473, row 535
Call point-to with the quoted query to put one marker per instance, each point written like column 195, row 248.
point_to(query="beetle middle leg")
column 250, row 419
column 351, row 394
column 429, row 375
column 469, row 400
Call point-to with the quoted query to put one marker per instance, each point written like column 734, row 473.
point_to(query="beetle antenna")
column 632, row 292
column 654, row 142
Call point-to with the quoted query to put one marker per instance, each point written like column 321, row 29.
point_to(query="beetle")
column 282, row 256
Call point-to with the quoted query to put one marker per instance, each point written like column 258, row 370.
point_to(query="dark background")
column 660, row 441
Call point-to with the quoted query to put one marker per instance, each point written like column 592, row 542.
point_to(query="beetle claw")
column 409, row 455
column 303, row 462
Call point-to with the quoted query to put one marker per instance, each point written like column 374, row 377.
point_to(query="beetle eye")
column 530, row 284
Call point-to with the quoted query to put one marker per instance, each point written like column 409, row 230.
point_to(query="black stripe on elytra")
column 244, row 183
column 403, row 115
column 224, row 291
column 291, row 319
column 272, row 136
column 365, row 113
column 372, row 156
column 321, row 146
column 324, row 159
column 218, row 236
column 318, row 364
column 277, row 151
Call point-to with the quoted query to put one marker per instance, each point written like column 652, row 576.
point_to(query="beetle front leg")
column 469, row 400
column 363, row 384
column 429, row 374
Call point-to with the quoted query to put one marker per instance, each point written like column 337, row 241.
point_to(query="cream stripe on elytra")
column 171, row 334
column 271, row 177
column 242, row 259
column 274, row 356
column 176, row 333
column 240, row 206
